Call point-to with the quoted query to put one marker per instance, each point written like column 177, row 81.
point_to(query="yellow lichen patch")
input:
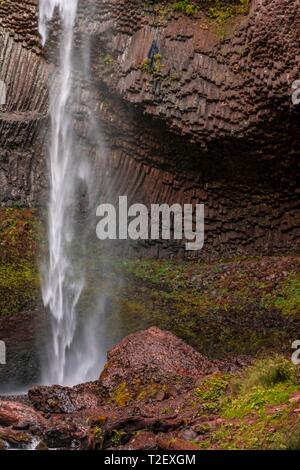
column 121, row 395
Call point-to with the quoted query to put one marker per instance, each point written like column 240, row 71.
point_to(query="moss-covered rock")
column 19, row 277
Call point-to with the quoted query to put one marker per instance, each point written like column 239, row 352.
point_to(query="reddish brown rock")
column 154, row 356
column 20, row 425
column 144, row 440
column 19, row 415
column 145, row 399
column 15, row 439
column 175, row 444
column 215, row 125
column 58, row 399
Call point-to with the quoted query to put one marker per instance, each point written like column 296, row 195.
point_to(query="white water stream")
column 63, row 276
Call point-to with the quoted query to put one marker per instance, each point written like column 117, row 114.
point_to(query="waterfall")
column 63, row 277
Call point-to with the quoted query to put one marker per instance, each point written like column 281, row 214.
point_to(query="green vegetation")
column 286, row 298
column 218, row 10
column 97, row 437
column 108, row 60
column 212, row 391
column 268, row 373
column 293, row 439
column 256, row 399
column 289, row 300
column 19, row 287
column 256, row 408
column 153, row 67
column 19, row 277
column 220, row 308
column 186, row 7
column 222, row 11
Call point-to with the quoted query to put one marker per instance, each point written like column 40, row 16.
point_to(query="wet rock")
column 19, row 415
column 61, row 435
column 139, row 397
column 58, row 399
column 154, row 374
column 15, row 439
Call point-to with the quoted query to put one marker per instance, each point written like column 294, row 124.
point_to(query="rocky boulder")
column 154, row 357
column 144, row 398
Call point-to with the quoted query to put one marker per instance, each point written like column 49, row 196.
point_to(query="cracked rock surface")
column 206, row 119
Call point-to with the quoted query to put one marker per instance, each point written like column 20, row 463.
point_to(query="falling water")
column 63, row 277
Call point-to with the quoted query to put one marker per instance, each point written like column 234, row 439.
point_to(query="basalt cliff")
column 193, row 108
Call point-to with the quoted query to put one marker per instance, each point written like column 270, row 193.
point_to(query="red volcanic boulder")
column 19, row 415
column 154, row 356
column 20, row 425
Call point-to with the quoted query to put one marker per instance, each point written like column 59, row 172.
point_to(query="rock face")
column 207, row 118
column 136, row 402
column 22, row 118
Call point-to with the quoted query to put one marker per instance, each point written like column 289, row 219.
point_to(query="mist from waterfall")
column 74, row 349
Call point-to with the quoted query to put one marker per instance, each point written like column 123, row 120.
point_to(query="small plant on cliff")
column 186, row 7
column 117, row 437
column 108, row 60
column 97, row 436
column 221, row 11
column 153, row 66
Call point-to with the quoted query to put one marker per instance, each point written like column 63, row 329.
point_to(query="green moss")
column 20, row 231
column 212, row 391
column 221, row 12
column 268, row 382
column 254, row 408
column 257, row 399
column 218, row 10
column 150, row 391
column 186, row 7
column 289, row 300
column 210, row 306
column 19, row 278
column 286, row 298
column 19, row 287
